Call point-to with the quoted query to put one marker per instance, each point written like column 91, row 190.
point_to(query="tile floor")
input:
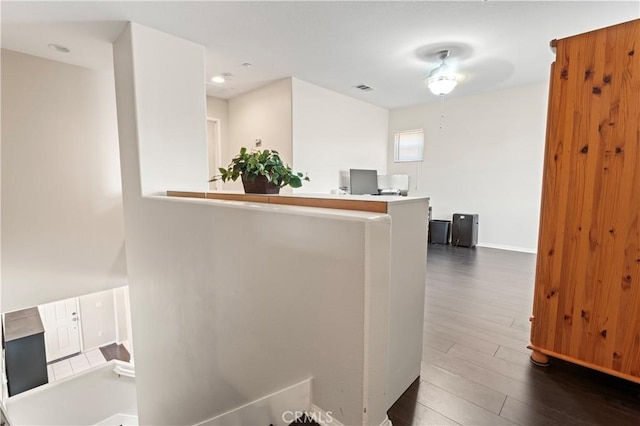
column 67, row 367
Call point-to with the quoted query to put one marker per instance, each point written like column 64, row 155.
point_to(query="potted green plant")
column 262, row 172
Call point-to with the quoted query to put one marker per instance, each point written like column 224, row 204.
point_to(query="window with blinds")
column 409, row 146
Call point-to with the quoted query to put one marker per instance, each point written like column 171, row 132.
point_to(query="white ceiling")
column 336, row 45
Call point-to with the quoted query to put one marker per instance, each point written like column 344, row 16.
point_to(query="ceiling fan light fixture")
column 442, row 80
column 442, row 85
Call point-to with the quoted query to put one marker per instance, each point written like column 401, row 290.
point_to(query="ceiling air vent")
column 364, row 87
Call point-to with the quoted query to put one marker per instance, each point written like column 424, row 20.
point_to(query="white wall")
column 316, row 130
column 333, row 132
column 265, row 114
column 120, row 296
column 98, row 319
column 185, row 152
column 237, row 330
column 3, row 387
column 486, row 160
column 62, row 225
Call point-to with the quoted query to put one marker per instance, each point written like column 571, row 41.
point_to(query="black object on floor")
column 115, row 351
column 439, row 231
column 464, row 231
column 304, row 420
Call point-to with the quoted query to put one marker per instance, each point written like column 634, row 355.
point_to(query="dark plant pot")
column 259, row 185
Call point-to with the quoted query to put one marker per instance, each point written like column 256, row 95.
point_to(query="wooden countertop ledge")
column 373, row 204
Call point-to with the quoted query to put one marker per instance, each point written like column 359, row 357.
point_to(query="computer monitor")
column 363, row 181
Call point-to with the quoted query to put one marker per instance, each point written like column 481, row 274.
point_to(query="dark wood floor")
column 115, row 351
column 476, row 368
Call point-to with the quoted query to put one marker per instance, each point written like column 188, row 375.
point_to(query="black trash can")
column 439, row 231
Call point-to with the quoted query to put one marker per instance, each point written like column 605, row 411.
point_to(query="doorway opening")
column 213, row 151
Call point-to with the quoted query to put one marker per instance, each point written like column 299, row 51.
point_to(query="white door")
column 61, row 328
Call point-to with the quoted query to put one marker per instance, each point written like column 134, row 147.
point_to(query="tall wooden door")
column 587, row 296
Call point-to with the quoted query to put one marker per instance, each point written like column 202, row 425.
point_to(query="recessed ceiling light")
column 246, row 64
column 59, row 48
column 218, row 79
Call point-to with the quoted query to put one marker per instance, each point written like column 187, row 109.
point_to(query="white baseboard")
column 127, row 344
column 386, row 422
column 510, row 248
column 85, row 350
column 278, row 408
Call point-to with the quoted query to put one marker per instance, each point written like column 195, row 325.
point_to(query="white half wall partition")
column 334, row 132
column 237, row 300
